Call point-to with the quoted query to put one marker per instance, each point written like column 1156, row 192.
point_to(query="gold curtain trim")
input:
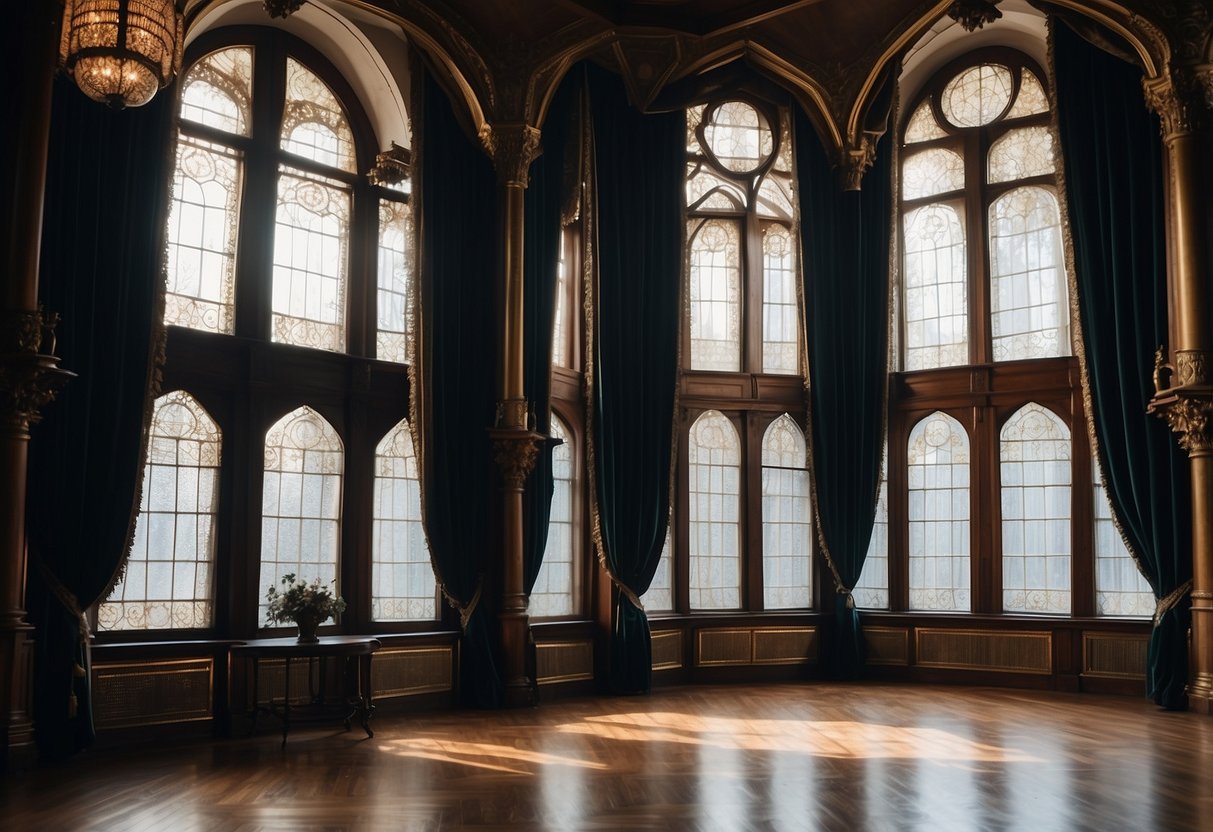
column 1077, row 341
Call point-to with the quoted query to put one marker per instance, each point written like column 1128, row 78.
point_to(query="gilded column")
column 515, row 446
column 29, row 374
column 1183, row 97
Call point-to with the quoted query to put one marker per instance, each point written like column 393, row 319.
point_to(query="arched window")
column 938, row 458
column 266, row 236
column 402, row 579
column 787, row 529
column 714, row 453
column 169, row 579
column 555, row 586
column 300, row 500
column 1034, row 450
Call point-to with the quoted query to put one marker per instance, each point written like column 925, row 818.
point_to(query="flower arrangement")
column 308, row 605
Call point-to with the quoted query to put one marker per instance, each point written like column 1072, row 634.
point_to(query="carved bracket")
column 30, row 376
column 854, row 161
column 515, row 451
column 512, row 147
column 391, row 166
column 1182, row 98
column 974, row 14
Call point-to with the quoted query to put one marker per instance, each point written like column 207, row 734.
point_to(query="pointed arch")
column 403, row 587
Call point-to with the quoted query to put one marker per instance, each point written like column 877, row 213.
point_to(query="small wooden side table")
column 353, row 652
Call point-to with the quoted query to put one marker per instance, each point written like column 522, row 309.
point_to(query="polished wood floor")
column 773, row 757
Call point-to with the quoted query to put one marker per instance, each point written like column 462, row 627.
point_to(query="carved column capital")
column 515, row 452
column 512, row 147
column 1189, row 413
column 1183, row 98
column 854, row 161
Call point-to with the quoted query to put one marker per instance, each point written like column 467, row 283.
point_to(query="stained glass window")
column 1029, row 313
column 1021, row 153
column 402, row 580
column 1034, row 450
column 395, row 313
column 922, row 126
column 738, row 136
column 936, row 304
column 930, row 172
column 714, row 453
column 872, row 589
column 202, row 228
column 1031, row 99
column 787, row 529
column 553, row 592
column 938, row 459
column 300, row 501
column 311, row 261
column 560, row 322
column 780, row 304
column 1120, row 588
column 314, row 125
column 169, row 579
column 977, row 96
column 716, row 296
column 218, row 91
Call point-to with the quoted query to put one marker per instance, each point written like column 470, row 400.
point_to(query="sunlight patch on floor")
column 502, row 758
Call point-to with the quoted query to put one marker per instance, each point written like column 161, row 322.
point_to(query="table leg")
column 286, row 702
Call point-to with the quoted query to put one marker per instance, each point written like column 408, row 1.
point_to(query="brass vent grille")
column 564, row 661
column 667, row 650
column 128, row 694
column 888, row 645
column 408, row 671
column 1114, row 655
column 1001, row 650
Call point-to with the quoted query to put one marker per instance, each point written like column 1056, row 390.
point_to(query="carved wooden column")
column 515, row 446
column 1183, row 98
column 29, row 374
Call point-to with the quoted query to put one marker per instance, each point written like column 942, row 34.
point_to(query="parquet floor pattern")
column 810, row 756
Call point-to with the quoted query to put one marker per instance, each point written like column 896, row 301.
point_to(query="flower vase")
column 308, row 624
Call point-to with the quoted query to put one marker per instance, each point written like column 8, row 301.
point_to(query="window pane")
column 714, row 453
column 1120, row 588
column 787, row 530
column 553, row 592
column 218, row 91
column 1034, row 449
column 780, row 302
column 938, row 463
column 560, row 327
column 1030, row 316
column 1031, row 99
column 310, row 261
column 738, row 137
column 659, row 597
column 931, row 172
column 395, row 315
column 976, row 96
column 716, row 297
column 202, row 225
column 313, row 123
column 936, row 311
column 872, row 590
column 1021, row 153
column 922, row 126
column 300, row 501
column 168, row 584
column 402, row 580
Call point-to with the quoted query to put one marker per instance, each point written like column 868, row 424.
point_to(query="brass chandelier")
column 120, row 52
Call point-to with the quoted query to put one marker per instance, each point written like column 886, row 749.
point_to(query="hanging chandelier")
column 120, row 52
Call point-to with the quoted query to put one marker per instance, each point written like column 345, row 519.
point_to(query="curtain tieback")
column 1165, row 605
column 842, row 590
column 627, row 592
column 465, row 613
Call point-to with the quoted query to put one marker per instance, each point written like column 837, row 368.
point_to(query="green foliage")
column 299, row 599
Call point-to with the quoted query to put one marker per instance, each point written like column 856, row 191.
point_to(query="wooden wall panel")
column 129, row 694
column 785, row 645
column 888, row 645
column 723, row 646
column 408, row 671
column 667, row 650
column 1114, row 655
column 564, row 661
column 998, row 650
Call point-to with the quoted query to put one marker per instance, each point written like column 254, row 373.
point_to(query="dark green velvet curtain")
column 102, row 270
column 1114, row 189
column 638, row 180
column 845, row 244
column 541, row 263
column 455, row 377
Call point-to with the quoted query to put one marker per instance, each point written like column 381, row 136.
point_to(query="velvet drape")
column 102, row 270
column 454, row 380
column 845, row 245
column 1115, row 187
column 639, row 163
